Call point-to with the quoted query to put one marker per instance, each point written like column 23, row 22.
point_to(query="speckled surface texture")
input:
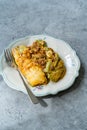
column 63, row 19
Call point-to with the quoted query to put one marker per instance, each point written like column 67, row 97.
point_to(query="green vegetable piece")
column 41, row 42
column 22, row 48
column 56, row 75
column 56, row 59
column 48, row 64
column 60, row 64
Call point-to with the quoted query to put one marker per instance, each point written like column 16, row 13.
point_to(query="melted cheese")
column 32, row 72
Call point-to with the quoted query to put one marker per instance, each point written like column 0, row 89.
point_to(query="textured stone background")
column 63, row 19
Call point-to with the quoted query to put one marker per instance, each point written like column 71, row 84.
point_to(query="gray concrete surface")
column 63, row 19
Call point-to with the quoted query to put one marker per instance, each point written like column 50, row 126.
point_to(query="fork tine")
column 9, row 54
column 6, row 57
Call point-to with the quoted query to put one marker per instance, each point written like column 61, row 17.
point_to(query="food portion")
column 38, row 63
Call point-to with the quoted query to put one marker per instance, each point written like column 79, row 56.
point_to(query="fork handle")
column 33, row 98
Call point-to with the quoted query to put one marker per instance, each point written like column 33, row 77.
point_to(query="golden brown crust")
column 31, row 70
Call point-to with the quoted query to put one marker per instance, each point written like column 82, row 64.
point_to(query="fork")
column 9, row 59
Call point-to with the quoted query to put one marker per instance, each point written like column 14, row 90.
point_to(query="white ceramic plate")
column 72, row 63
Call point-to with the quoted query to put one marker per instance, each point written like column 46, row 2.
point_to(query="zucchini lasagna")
column 38, row 63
